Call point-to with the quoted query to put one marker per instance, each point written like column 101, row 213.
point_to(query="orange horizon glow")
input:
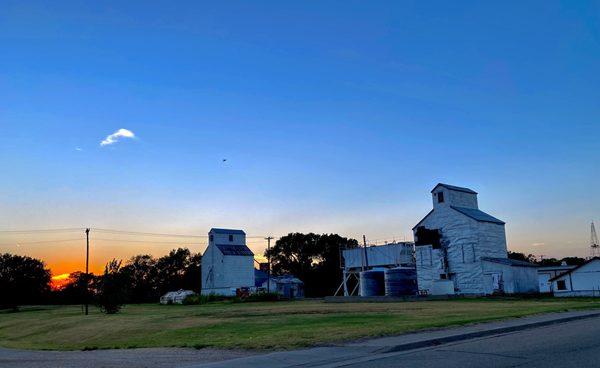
column 59, row 281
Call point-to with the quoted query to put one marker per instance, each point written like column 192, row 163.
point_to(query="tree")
column 179, row 269
column 23, row 280
column 111, row 289
column 141, row 277
column 74, row 290
column 315, row 259
column 573, row 261
column 522, row 257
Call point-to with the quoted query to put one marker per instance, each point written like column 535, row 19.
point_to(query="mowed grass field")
column 276, row 325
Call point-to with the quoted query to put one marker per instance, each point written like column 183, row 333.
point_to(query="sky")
column 333, row 117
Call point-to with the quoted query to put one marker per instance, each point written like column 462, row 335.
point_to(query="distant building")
column 583, row 280
column 287, row 286
column 176, row 297
column 227, row 263
column 547, row 272
column 457, row 241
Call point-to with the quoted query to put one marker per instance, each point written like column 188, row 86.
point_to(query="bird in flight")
column 224, row 159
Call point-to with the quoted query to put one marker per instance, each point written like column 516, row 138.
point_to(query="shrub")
column 259, row 297
column 111, row 293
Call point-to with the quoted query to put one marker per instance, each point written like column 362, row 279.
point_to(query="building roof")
column 556, row 268
column 477, row 214
column 509, row 262
column 573, row 269
column 454, row 187
column 234, row 250
column 227, row 231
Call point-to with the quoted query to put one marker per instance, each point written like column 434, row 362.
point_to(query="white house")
column 227, row 263
column 583, row 280
column 545, row 273
column 457, row 241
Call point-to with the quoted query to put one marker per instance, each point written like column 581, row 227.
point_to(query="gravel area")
column 130, row 358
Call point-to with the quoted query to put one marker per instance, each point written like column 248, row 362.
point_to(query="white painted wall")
column 382, row 255
column 454, row 198
column 515, row 279
column 223, row 274
column 467, row 240
column 584, row 281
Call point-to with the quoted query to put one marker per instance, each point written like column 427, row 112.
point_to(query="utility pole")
column 87, row 268
column 365, row 248
column 268, row 239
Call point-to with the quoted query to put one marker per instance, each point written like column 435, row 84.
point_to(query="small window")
column 230, row 238
column 442, row 276
column 211, row 238
column 561, row 285
column 440, row 196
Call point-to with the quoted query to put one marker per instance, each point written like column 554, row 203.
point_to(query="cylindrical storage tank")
column 371, row 283
column 400, row 281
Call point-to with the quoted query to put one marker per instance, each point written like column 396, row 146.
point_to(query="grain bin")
column 371, row 283
column 400, row 281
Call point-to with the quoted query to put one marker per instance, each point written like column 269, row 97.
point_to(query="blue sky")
column 333, row 116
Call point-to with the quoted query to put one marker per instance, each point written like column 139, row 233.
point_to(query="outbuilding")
column 227, row 263
column 583, row 280
column 287, row 286
column 546, row 273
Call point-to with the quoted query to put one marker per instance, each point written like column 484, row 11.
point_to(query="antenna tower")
column 594, row 243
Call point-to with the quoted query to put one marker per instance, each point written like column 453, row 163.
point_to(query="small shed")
column 545, row 273
column 583, row 280
column 176, row 297
column 287, row 286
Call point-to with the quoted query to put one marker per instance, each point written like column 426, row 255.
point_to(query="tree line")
column 313, row 258
column 570, row 261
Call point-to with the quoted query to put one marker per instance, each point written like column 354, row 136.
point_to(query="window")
column 211, row 238
column 442, row 276
column 561, row 285
column 230, row 238
column 440, row 196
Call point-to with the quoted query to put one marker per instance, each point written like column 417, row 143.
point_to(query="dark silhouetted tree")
column 111, row 288
column 23, row 280
column 141, row 277
column 315, row 259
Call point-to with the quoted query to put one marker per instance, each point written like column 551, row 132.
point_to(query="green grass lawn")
column 276, row 325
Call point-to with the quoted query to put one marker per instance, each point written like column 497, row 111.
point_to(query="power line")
column 126, row 232
column 34, row 231
column 17, row 243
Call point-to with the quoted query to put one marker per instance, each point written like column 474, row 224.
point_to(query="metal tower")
column 594, row 243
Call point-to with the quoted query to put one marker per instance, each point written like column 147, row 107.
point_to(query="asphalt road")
column 571, row 344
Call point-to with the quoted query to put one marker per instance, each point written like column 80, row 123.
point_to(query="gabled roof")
column 227, row 231
column 574, row 269
column 477, row 214
column 454, row 187
column 423, row 219
column 509, row 262
column 234, row 250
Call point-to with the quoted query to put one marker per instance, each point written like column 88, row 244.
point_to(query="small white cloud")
column 78, row 149
column 538, row 244
column 114, row 138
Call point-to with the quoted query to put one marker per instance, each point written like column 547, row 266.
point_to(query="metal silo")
column 371, row 283
column 400, row 281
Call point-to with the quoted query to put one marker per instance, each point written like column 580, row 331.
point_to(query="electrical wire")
column 35, row 231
